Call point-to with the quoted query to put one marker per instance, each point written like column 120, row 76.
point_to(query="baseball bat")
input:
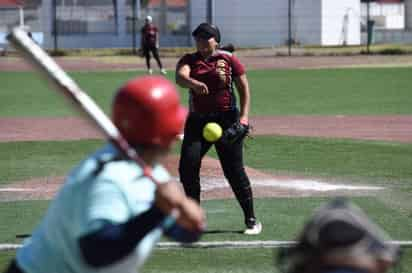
column 65, row 85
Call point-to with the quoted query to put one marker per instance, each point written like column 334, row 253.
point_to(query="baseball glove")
column 235, row 133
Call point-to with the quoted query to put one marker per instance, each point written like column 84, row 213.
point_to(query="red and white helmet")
column 147, row 111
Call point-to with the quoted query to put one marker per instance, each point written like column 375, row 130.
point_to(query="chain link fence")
column 289, row 24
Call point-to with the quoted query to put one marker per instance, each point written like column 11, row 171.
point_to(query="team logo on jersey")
column 221, row 68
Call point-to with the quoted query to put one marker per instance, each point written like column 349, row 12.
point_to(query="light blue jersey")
column 115, row 193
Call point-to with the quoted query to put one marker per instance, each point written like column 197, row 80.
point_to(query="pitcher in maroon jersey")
column 150, row 43
column 210, row 74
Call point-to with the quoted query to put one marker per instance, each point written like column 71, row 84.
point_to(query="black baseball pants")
column 193, row 149
column 155, row 52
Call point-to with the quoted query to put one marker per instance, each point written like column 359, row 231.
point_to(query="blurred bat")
column 65, row 85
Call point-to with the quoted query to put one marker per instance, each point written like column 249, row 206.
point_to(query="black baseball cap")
column 207, row 31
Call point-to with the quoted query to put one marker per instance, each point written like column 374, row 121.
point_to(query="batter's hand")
column 192, row 216
column 170, row 197
column 200, row 88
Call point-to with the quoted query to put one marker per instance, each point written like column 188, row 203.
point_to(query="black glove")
column 235, row 133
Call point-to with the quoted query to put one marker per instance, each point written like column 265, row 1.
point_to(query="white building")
column 265, row 23
column 245, row 23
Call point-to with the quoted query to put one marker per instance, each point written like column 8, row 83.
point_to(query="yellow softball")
column 212, row 132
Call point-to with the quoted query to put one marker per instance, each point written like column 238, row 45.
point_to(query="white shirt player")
column 115, row 193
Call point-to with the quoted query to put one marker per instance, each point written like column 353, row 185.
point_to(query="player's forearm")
column 114, row 241
column 242, row 86
column 244, row 105
column 186, row 81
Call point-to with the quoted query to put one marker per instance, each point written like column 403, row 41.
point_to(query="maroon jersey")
column 217, row 72
column 149, row 35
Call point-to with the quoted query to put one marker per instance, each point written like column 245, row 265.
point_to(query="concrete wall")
column 340, row 22
column 252, row 23
column 263, row 23
column 120, row 38
column 382, row 36
column 198, row 11
column 258, row 23
column 306, row 21
column 408, row 14
column 385, row 15
column 197, row 15
column 255, row 23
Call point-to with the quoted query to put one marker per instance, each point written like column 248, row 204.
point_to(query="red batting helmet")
column 147, row 111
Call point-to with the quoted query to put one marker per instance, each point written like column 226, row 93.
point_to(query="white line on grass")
column 16, row 189
column 303, row 185
column 221, row 244
column 212, row 183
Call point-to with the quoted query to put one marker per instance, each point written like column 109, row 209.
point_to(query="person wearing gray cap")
column 339, row 238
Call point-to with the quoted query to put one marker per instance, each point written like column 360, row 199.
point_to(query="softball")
column 212, row 132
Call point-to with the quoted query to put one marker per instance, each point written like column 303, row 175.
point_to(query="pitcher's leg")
column 231, row 158
column 192, row 151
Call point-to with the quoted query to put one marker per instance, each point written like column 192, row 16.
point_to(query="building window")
column 10, row 16
column 170, row 16
column 386, row 14
column 86, row 16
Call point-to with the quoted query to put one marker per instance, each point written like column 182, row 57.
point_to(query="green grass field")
column 377, row 91
column 366, row 91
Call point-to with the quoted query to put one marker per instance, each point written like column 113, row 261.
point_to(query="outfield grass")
column 367, row 91
column 26, row 94
column 331, row 91
column 23, row 160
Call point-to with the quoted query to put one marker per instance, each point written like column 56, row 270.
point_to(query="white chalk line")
column 18, row 189
column 220, row 244
column 213, row 183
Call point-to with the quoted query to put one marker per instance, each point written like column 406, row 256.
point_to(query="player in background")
column 109, row 215
column 150, row 43
column 209, row 74
column 339, row 238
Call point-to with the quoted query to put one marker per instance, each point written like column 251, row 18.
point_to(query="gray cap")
column 341, row 228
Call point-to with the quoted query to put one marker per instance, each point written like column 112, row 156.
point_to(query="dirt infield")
column 261, row 60
column 386, row 128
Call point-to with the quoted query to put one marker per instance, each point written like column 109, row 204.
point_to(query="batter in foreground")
column 109, row 214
